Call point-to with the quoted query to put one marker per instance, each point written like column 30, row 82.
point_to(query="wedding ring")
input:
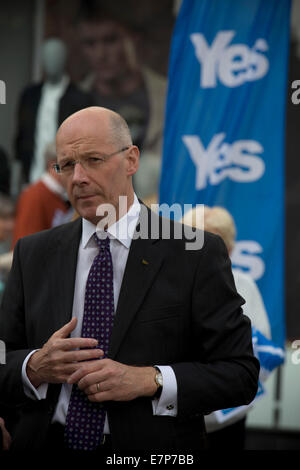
column 98, row 387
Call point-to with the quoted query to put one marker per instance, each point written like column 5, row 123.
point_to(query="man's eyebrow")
column 92, row 152
column 88, row 153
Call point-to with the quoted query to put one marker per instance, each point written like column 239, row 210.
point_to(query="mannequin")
column 54, row 56
column 44, row 106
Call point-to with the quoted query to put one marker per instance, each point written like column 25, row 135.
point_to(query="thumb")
column 65, row 330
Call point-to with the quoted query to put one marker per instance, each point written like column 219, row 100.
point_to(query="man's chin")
column 91, row 217
column 87, row 211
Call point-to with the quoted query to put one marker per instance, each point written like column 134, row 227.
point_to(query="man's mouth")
column 84, row 196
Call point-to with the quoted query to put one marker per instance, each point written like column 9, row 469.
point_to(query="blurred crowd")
column 115, row 79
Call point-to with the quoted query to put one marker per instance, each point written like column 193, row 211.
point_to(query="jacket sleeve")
column 226, row 374
column 13, row 334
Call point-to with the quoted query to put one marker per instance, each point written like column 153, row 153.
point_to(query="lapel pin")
column 144, row 261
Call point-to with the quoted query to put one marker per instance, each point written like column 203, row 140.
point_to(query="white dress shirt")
column 120, row 234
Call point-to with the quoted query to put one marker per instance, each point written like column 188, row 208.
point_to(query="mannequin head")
column 54, row 56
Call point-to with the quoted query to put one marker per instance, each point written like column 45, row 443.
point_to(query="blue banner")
column 225, row 129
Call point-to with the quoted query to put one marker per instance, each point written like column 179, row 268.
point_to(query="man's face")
column 106, row 46
column 87, row 188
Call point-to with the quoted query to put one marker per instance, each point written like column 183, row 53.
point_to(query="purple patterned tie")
column 85, row 420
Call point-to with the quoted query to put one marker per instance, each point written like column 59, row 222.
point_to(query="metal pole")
column 277, row 398
column 38, row 36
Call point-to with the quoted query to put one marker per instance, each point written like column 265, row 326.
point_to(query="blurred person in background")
column 7, row 221
column 43, row 204
column 230, row 434
column 117, row 79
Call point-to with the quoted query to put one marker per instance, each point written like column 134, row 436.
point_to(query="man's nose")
column 79, row 173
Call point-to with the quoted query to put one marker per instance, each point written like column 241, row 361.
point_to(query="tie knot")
column 103, row 243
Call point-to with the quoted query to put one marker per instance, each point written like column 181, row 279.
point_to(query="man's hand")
column 110, row 380
column 58, row 358
column 6, row 438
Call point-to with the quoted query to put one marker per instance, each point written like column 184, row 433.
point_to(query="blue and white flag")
column 225, row 129
column 270, row 356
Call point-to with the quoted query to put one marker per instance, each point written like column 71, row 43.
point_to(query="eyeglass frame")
column 59, row 171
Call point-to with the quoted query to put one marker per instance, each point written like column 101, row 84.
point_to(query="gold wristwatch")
column 159, row 382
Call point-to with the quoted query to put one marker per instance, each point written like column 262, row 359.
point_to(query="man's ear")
column 133, row 158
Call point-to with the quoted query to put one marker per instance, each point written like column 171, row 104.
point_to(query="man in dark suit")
column 175, row 309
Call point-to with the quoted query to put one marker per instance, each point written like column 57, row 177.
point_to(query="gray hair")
column 50, row 152
column 120, row 132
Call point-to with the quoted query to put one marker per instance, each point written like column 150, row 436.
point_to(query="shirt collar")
column 57, row 87
column 122, row 230
column 53, row 185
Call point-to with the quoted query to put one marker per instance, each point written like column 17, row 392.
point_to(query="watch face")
column 159, row 379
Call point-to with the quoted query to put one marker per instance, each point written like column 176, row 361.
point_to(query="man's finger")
column 92, row 378
column 92, row 366
column 65, row 330
column 73, row 343
column 82, row 355
column 107, row 395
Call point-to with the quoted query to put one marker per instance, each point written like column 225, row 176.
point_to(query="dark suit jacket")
column 72, row 100
column 180, row 309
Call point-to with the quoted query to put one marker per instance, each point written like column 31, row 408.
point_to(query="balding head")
column 111, row 124
column 94, row 148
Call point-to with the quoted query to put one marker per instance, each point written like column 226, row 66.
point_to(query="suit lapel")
column 63, row 255
column 143, row 263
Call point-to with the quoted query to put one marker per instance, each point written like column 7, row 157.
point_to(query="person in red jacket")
column 42, row 205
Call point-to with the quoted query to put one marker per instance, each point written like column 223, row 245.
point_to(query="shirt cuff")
column 166, row 405
column 30, row 391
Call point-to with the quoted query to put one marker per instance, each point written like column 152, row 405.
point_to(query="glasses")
column 88, row 163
